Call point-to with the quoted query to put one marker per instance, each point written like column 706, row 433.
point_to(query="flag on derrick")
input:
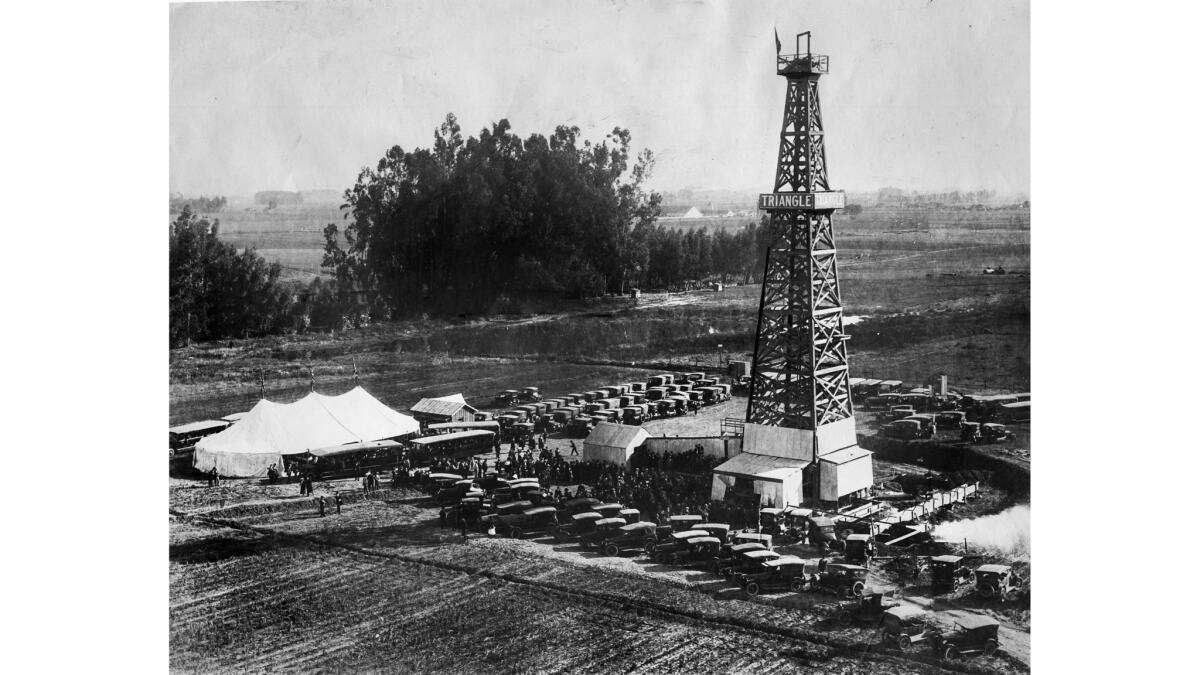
column 778, row 44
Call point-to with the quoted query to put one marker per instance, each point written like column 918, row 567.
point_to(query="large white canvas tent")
column 271, row 430
column 610, row 442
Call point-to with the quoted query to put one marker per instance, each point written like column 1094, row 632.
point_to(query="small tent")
column 270, row 430
column 611, row 442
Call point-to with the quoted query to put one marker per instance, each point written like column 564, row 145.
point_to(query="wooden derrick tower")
column 799, row 375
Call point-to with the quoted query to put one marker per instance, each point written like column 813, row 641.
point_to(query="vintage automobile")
column 785, row 573
column 868, row 608
column 728, row 553
column 632, row 537
column 903, row 626
column 771, row 520
column 677, row 541
column 859, row 549
column 539, row 519
column 630, row 515
column 972, row 634
column 577, row 505
column 508, row 397
column 750, row 562
column 469, row 509
column 683, row 523
column 767, row 540
column 576, row 526
column 927, row 421
column 994, row 433
column 946, row 572
column 603, row 529
column 995, row 581
column 450, row 494
column 530, row 394
column 951, row 419
column 718, row 530
column 970, row 432
column 899, row 412
column 633, row 415
column 697, row 552
column 841, row 579
column 609, row 510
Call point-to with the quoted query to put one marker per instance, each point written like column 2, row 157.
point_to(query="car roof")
column 859, row 537
column 634, row 527
column 703, row 540
column 537, row 510
column 581, row 500
column 905, row 611
column 947, row 558
column 590, row 515
column 844, row 566
column 437, row 476
column 821, row 521
column 998, row 569
column 610, row 505
column 752, row 536
column 786, row 560
column 771, row 510
column 610, row 521
column 708, row 527
column 688, row 534
column 624, row 511
column 970, row 621
column 691, row 518
column 748, row 546
column 761, row 554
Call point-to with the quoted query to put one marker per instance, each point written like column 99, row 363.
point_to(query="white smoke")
column 1006, row 532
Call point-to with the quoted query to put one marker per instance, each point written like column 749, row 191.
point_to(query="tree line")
column 464, row 226
column 470, row 222
column 199, row 204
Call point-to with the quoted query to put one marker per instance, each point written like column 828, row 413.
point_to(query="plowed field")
column 381, row 586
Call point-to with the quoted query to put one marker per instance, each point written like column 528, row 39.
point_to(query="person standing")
column 337, row 501
column 214, row 479
column 321, row 505
column 462, row 526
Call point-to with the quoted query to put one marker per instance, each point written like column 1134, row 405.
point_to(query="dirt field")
column 265, row 584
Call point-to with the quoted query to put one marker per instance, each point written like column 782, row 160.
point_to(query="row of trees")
column 217, row 292
column 200, row 204
column 457, row 226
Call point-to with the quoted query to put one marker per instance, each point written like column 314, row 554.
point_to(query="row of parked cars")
column 633, row 403
column 521, row 508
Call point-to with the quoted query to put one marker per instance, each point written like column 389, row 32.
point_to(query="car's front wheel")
column 950, row 653
column 752, row 588
column 987, row 591
column 903, row 643
column 990, row 647
column 515, row 533
column 612, row 550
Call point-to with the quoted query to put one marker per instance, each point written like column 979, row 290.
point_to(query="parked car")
column 771, row 520
column 951, row 419
column 905, row 430
column 995, row 581
column 673, row 543
column 576, row 526
column 507, row 398
column 684, row 522
column 698, row 551
column 539, row 519
column 859, row 549
column 899, row 412
column 718, row 530
column 577, row 505
column 630, row 515
column 602, row 529
column 450, row 494
column 747, row 562
column 946, row 572
column 530, row 394
column 785, row 573
column 841, row 579
column 729, row 553
column 972, row 634
column 994, row 433
column 609, row 510
column 867, row 609
column 970, row 432
column 635, row 536
column 903, row 626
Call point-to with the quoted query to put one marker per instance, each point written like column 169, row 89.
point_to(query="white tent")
column 611, row 442
column 271, row 430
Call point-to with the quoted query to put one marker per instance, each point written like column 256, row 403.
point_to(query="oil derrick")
column 799, row 374
column 800, row 443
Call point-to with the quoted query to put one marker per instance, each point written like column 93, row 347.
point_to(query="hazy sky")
column 922, row 94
